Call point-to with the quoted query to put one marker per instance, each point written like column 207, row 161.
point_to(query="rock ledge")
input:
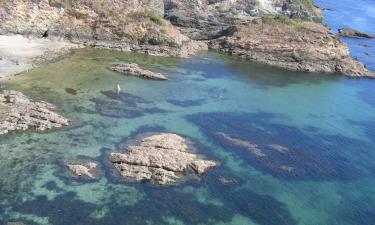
column 134, row 70
column 18, row 112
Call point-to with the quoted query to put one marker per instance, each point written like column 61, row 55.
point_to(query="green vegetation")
column 307, row 4
column 62, row 3
column 149, row 14
column 7, row 99
column 282, row 19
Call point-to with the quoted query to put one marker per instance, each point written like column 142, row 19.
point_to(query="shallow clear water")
column 324, row 174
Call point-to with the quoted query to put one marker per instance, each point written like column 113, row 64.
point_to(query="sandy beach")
column 19, row 53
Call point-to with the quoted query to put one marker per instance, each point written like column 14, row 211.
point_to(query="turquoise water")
column 322, row 175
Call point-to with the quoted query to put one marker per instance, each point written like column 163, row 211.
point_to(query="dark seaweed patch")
column 262, row 209
column 126, row 98
column 71, row 91
column 64, row 209
column 52, row 186
column 117, row 109
column 123, row 105
column 186, row 103
column 161, row 203
column 280, row 150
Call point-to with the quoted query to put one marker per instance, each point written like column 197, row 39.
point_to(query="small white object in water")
column 118, row 89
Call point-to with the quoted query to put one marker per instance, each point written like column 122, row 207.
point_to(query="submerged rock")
column 82, row 170
column 281, row 151
column 71, row 91
column 133, row 69
column 252, row 148
column 348, row 32
column 161, row 158
column 18, row 112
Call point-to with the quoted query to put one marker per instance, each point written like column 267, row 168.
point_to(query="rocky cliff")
column 207, row 19
column 292, row 44
column 118, row 24
column 140, row 25
column 183, row 28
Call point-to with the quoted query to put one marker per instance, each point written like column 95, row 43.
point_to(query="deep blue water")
column 315, row 134
column 358, row 14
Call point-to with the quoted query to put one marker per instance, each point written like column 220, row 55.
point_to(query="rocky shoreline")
column 183, row 28
column 18, row 112
column 291, row 44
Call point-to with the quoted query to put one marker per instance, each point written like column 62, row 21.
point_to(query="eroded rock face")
column 129, row 25
column 202, row 20
column 161, row 158
column 133, row 69
column 294, row 45
column 18, row 112
column 82, row 170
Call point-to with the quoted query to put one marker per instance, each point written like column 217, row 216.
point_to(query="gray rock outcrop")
column 291, row 44
column 161, row 158
column 133, row 69
column 18, row 112
column 203, row 20
column 352, row 33
column 129, row 25
column 82, row 170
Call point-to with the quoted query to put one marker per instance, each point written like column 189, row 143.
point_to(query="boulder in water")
column 133, row 69
column 161, row 158
column 353, row 33
column 82, row 170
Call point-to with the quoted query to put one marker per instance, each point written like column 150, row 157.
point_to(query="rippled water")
column 317, row 132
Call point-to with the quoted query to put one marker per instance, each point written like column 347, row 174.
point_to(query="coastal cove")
column 196, row 112
column 316, row 169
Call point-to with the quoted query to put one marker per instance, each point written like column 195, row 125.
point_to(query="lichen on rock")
column 163, row 158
